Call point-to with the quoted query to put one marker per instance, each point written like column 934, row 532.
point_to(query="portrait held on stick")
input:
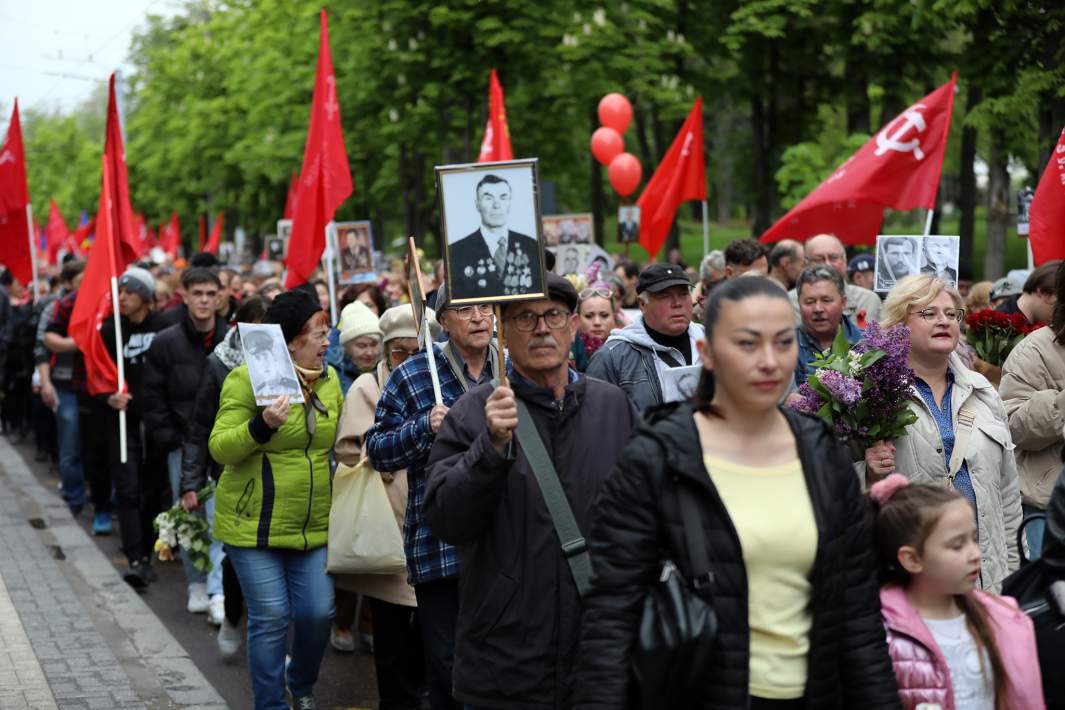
column 355, row 247
column 490, row 215
column 269, row 363
column 899, row 256
column 568, row 229
column 284, row 233
column 628, row 224
column 415, row 288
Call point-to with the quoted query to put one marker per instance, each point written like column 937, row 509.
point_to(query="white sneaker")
column 228, row 639
column 198, row 601
column 216, row 609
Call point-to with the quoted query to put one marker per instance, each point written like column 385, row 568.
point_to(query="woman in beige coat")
column 953, row 405
column 397, row 644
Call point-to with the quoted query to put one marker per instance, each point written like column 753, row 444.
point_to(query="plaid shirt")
column 401, row 438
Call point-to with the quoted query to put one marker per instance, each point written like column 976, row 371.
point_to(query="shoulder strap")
column 694, row 539
column 456, row 365
column 963, row 429
column 573, row 545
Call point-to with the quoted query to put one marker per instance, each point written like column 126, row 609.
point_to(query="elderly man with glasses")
column 517, row 631
column 862, row 304
column 405, row 425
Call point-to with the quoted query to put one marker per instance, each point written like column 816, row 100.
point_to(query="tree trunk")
column 722, row 161
column 598, row 198
column 998, row 208
column 640, row 116
column 967, row 186
column 761, row 176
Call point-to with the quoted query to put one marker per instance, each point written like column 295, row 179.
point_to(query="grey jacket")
column 628, row 359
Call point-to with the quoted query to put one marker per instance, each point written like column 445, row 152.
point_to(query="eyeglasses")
column 931, row 315
column 401, row 354
column 526, row 322
column 836, row 258
column 595, row 293
column 466, row 312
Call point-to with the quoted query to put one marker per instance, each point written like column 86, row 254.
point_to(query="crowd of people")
column 543, row 491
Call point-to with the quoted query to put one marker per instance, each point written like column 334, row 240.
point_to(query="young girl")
column 953, row 646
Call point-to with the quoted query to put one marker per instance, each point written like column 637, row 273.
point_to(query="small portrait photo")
column 896, row 257
column 490, row 214
column 680, row 383
column 269, row 363
column 939, row 257
column 275, row 248
column 284, row 233
column 628, row 224
column 577, row 258
column 568, row 229
column 415, row 287
column 355, row 247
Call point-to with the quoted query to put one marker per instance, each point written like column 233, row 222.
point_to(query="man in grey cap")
column 1002, row 289
column 635, row 357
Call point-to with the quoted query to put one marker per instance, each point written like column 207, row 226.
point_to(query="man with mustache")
column 517, row 632
column 822, row 299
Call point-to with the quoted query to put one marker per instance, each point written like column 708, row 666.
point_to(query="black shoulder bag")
column 678, row 626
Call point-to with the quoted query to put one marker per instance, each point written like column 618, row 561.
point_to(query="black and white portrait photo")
column 491, row 223
column 896, row 258
column 355, row 246
column 578, row 258
column 269, row 363
column 680, row 383
column 275, row 248
column 628, row 224
column 939, row 257
column 568, row 229
column 284, row 233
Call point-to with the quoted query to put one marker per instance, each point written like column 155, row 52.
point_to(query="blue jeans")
column 280, row 585
column 192, row 575
column 68, row 436
column 1033, row 531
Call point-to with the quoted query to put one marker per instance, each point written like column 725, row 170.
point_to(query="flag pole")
column 430, row 356
column 706, row 230
column 502, row 361
column 331, row 255
column 928, row 222
column 33, row 247
column 120, row 361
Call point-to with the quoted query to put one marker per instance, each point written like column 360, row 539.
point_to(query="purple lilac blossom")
column 843, row 389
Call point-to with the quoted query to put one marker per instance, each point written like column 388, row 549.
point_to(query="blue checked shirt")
column 401, row 438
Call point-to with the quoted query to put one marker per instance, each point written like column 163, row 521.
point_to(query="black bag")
column 1028, row 585
column 678, row 627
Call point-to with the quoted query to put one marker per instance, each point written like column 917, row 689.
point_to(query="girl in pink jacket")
column 953, row 647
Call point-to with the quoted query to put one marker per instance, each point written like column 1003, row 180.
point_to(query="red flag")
column 496, row 143
column 1046, row 215
column 216, row 234
column 898, row 168
column 80, row 235
column 56, row 233
column 140, row 228
column 680, row 176
column 290, row 200
column 15, row 236
column 93, row 303
column 171, row 240
column 325, row 181
column 203, row 233
column 127, row 237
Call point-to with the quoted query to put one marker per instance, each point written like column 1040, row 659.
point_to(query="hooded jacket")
column 519, row 611
column 629, row 360
column 921, row 670
column 638, row 524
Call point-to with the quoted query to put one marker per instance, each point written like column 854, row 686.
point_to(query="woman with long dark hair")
column 792, row 577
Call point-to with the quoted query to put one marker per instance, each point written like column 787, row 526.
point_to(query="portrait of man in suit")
column 494, row 261
column 941, row 258
column 269, row 364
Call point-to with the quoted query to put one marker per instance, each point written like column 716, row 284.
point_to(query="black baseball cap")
column 659, row 277
column 860, row 263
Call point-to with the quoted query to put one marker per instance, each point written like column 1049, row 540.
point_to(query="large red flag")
column 898, row 168
column 325, row 181
column 15, row 236
column 680, row 176
column 203, row 233
column 290, row 199
column 56, row 233
column 216, row 234
column 496, row 143
column 1046, row 230
column 127, row 237
column 94, row 304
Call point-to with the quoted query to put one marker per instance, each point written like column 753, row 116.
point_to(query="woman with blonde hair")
column 961, row 437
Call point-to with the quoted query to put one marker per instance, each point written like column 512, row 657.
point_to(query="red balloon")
column 607, row 144
column 625, row 173
column 615, row 112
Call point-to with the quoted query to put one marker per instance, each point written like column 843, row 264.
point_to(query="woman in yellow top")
column 792, row 578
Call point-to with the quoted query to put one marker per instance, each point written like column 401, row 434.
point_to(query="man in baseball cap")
column 664, row 337
column 861, row 269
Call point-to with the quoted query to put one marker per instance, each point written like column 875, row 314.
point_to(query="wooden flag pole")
column 120, row 361
column 502, row 371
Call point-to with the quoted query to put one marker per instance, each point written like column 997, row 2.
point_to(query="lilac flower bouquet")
column 862, row 391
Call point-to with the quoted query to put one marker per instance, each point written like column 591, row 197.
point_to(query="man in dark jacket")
column 517, row 631
column 175, row 363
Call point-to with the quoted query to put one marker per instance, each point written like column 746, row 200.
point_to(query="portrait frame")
column 578, row 226
column 275, row 248
column 471, row 271
column 628, row 214
column 273, row 376
column 284, row 233
column 357, row 264
column 888, row 258
column 415, row 285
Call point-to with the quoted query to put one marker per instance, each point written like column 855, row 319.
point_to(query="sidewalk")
column 72, row 633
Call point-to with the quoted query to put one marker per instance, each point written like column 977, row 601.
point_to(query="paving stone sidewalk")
column 72, row 633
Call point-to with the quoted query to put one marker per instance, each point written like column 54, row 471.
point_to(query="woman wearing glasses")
column 955, row 407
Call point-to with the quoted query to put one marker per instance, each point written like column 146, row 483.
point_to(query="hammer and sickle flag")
column 899, row 167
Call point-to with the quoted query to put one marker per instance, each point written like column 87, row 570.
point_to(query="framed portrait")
column 899, row 256
column 493, row 236
column 628, row 224
column 269, row 363
column 577, row 258
column 284, row 233
column 415, row 287
column 680, row 383
column 355, row 252
column 568, row 229
column 275, row 248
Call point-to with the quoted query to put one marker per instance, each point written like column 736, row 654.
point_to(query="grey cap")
column 1003, row 288
column 138, row 280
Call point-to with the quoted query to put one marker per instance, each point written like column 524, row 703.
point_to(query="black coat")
column 171, row 378
column 519, row 611
column 474, row 273
column 196, row 461
column 638, row 521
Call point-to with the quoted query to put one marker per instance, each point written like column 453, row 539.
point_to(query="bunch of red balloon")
column 608, row 147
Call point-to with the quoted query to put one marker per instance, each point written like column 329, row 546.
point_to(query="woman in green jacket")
column 272, row 509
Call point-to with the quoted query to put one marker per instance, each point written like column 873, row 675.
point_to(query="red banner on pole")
column 496, row 143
